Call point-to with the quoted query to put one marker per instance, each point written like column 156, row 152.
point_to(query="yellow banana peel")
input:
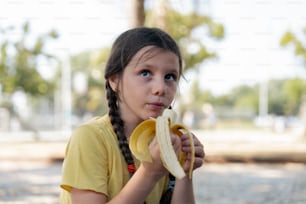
column 161, row 127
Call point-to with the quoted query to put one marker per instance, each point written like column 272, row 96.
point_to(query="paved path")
column 220, row 146
column 30, row 175
column 251, row 184
column 29, row 182
column 240, row 183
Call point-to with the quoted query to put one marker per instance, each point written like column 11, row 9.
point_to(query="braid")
column 118, row 124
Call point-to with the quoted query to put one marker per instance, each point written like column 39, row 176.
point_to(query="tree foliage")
column 293, row 91
column 19, row 61
column 90, row 64
column 285, row 97
column 189, row 31
column 299, row 45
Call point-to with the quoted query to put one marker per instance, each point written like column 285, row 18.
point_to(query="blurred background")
column 243, row 91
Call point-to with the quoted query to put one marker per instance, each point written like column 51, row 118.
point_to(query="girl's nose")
column 158, row 87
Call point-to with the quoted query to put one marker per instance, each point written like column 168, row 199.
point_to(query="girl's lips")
column 156, row 106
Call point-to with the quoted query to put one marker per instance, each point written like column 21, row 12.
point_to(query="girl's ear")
column 113, row 82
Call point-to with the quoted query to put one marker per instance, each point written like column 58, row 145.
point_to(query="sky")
column 249, row 53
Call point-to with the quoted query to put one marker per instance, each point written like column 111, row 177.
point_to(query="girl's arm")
column 183, row 190
column 135, row 191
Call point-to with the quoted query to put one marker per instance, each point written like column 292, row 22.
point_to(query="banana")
column 161, row 127
column 180, row 129
column 141, row 138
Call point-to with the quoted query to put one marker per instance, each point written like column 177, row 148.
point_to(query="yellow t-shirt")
column 93, row 161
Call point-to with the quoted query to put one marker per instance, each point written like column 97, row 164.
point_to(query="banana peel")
column 161, row 127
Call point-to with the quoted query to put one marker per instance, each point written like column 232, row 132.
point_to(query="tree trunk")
column 160, row 14
column 137, row 14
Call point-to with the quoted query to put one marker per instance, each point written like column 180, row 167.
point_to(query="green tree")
column 19, row 62
column 293, row 90
column 285, row 98
column 245, row 97
column 197, row 97
column 92, row 65
column 299, row 45
column 240, row 102
column 187, row 30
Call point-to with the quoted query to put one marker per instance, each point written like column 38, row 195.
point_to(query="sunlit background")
column 243, row 91
column 237, row 54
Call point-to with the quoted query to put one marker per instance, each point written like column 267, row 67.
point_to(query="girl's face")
column 148, row 85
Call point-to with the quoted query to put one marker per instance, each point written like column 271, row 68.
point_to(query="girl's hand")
column 156, row 167
column 198, row 152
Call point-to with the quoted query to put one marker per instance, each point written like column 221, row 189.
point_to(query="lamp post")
column 66, row 93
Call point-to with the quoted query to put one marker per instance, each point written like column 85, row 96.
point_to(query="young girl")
column 142, row 75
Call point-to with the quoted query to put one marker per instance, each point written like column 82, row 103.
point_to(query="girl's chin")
column 154, row 115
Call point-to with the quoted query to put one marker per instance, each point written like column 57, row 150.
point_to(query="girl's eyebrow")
column 173, row 70
column 149, row 66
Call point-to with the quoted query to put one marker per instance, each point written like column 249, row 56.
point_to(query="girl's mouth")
column 156, row 106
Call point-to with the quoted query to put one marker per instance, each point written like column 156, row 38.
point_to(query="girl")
column 142, row 75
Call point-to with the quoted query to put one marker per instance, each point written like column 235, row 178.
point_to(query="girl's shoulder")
column 98, row 129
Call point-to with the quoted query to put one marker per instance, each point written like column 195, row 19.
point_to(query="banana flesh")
column 161, row 127
column 168, row 155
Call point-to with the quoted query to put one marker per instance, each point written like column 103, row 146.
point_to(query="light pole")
column 66, row 93
column 263, row 98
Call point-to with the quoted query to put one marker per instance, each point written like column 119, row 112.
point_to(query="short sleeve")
column 85, row 164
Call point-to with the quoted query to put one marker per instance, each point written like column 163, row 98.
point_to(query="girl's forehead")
column 146, row 53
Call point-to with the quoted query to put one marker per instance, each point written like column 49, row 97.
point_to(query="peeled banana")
column 161, row 127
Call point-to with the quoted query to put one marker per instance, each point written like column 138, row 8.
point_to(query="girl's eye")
column 145, row 73
column 171, row 77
